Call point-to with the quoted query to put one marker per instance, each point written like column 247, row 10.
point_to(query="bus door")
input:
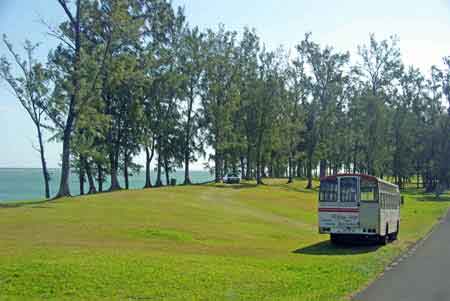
column 369, row 213
column 349, row 203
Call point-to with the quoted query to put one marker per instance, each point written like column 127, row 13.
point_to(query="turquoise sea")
column 18, row 184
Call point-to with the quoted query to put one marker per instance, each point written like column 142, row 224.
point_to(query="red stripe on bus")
column 338, row 210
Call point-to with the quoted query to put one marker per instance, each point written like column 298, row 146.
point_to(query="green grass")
column 209, row 242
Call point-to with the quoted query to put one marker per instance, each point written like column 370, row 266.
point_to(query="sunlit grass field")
column 211, row 242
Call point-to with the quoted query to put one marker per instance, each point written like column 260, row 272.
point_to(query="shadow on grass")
column 29, row 204
column 328, row 249
column 433, row 198
column 42, row 207
column 412, row 191
column 234, row 186
column 290, row 187
column 266, row 182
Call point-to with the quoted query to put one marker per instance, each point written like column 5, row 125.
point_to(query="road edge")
column 410, row 250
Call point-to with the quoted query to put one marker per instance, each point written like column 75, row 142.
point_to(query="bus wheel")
column 395, row 235
column 384, row 239
column 334, row 239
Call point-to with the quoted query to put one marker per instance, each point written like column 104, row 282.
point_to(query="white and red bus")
column 359, row 206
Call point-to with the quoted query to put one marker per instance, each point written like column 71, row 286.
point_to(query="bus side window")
column 390, row 200
column 368, row 194
column 388, row 203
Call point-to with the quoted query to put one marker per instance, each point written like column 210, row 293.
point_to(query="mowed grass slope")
column 210, row 242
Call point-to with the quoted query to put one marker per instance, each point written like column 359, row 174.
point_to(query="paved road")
column 424, row 275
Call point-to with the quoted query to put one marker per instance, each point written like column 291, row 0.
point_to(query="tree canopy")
column 132, row 76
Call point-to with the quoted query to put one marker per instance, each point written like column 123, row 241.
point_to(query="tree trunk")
column 187, row 178
column 355, row 154
column 263, row 169
column 336, row 169
column 258, row 172
column 187, row 152
column 271, row 171
column 242, row 166
column 418, row 179
column 258, row 162
column 125, row 171
column 81, row 175
column 225, row 167
column 148, row 161
column 299, row 169
column 158, row 174
column 91, row 182
column 113, row 158
column 64, row 190
column 100, row 177
column 187, row 142
column 259, row 151
column 43, row 163
column 309, row 172
column 166, row 171
column 323, row 168
column 290, row 171
column 248, row 175
column 217, row 168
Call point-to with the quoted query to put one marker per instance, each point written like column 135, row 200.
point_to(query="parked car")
column 232, row 179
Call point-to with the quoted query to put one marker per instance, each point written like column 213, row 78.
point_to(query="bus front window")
column 328, row 191
column 349, row 189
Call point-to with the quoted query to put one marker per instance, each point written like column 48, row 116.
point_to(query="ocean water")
column 18, row 184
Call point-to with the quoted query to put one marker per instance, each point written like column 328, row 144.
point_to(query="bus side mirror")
column 402, row 200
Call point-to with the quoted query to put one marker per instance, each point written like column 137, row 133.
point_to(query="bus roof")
column 364, row 176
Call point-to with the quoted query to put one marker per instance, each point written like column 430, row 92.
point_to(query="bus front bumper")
column 348, row 231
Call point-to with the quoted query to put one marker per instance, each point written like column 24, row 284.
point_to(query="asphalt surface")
column 423, row 274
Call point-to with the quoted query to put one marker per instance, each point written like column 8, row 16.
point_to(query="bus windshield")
column 328, row 191
column 349, row 189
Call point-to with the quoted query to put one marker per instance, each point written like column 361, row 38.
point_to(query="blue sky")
column 423, row 28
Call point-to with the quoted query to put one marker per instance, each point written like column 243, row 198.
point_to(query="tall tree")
column 270, row 89
column 219, row 92
column 191, row 64
column 327, row 69
column 380, row 63
column 298, row 85
column 73, row 34
column 249, row 50
column 32, row 89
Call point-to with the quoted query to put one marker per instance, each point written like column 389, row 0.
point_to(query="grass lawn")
column 190, row 243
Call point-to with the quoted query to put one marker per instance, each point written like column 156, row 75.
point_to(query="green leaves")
column 132, row 74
